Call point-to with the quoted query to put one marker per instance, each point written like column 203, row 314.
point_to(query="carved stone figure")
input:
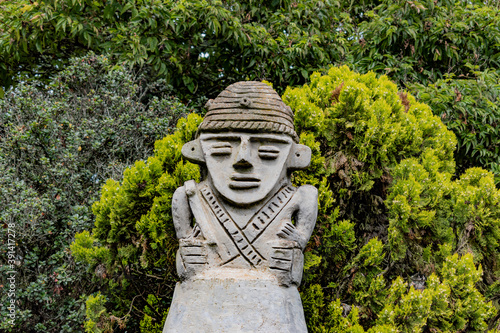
column 243, row 228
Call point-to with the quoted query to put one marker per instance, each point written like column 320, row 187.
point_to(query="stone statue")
column 243, row 228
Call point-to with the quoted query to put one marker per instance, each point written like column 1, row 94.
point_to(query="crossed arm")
column 305, row 216
column 181, row 213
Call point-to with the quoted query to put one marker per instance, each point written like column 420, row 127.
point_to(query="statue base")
column 235, row 301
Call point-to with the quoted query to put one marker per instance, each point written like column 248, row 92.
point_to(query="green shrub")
column 394, row 215
column 96, row 309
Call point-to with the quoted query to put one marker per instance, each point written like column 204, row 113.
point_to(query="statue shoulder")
column 186, row 190
column 180, row 194
column 307, row 194
column 307, row 190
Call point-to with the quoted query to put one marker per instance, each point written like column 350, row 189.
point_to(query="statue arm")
column 181, row 213
column 191, row 257
column 305, row 218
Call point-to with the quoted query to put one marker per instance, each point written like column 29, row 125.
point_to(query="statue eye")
column 222, row 148
column 268, row 152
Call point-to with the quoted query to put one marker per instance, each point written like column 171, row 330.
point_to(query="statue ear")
column 300, row 157
column 192, row 152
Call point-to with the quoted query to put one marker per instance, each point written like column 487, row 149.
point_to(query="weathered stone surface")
column 236, row 304
column 243, row 228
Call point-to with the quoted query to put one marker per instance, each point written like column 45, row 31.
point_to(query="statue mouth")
column 243, row 182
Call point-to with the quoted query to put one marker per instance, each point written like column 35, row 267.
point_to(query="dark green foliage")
column 59, row 142
column 203, row 46
column 199, row 46
column 422, row 41
column 470, row 107
column 136, row 255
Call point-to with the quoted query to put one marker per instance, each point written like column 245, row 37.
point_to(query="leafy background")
column 405, row 157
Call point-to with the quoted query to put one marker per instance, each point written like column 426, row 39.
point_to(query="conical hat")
column 248, row 106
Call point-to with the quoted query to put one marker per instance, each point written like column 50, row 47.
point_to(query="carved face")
column 243, row 167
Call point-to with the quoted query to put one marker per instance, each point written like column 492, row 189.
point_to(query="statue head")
column 247, row 143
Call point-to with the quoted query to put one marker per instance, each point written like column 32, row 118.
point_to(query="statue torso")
column 221, row 242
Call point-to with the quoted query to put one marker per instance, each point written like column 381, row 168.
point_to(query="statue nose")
column 243, row 158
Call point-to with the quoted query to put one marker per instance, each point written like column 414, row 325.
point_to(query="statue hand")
column 289, row 232
column 192, row 256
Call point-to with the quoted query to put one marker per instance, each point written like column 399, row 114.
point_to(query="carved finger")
column 281, row 234
column 286, row 231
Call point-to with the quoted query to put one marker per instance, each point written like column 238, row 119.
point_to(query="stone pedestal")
column 240, row 303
